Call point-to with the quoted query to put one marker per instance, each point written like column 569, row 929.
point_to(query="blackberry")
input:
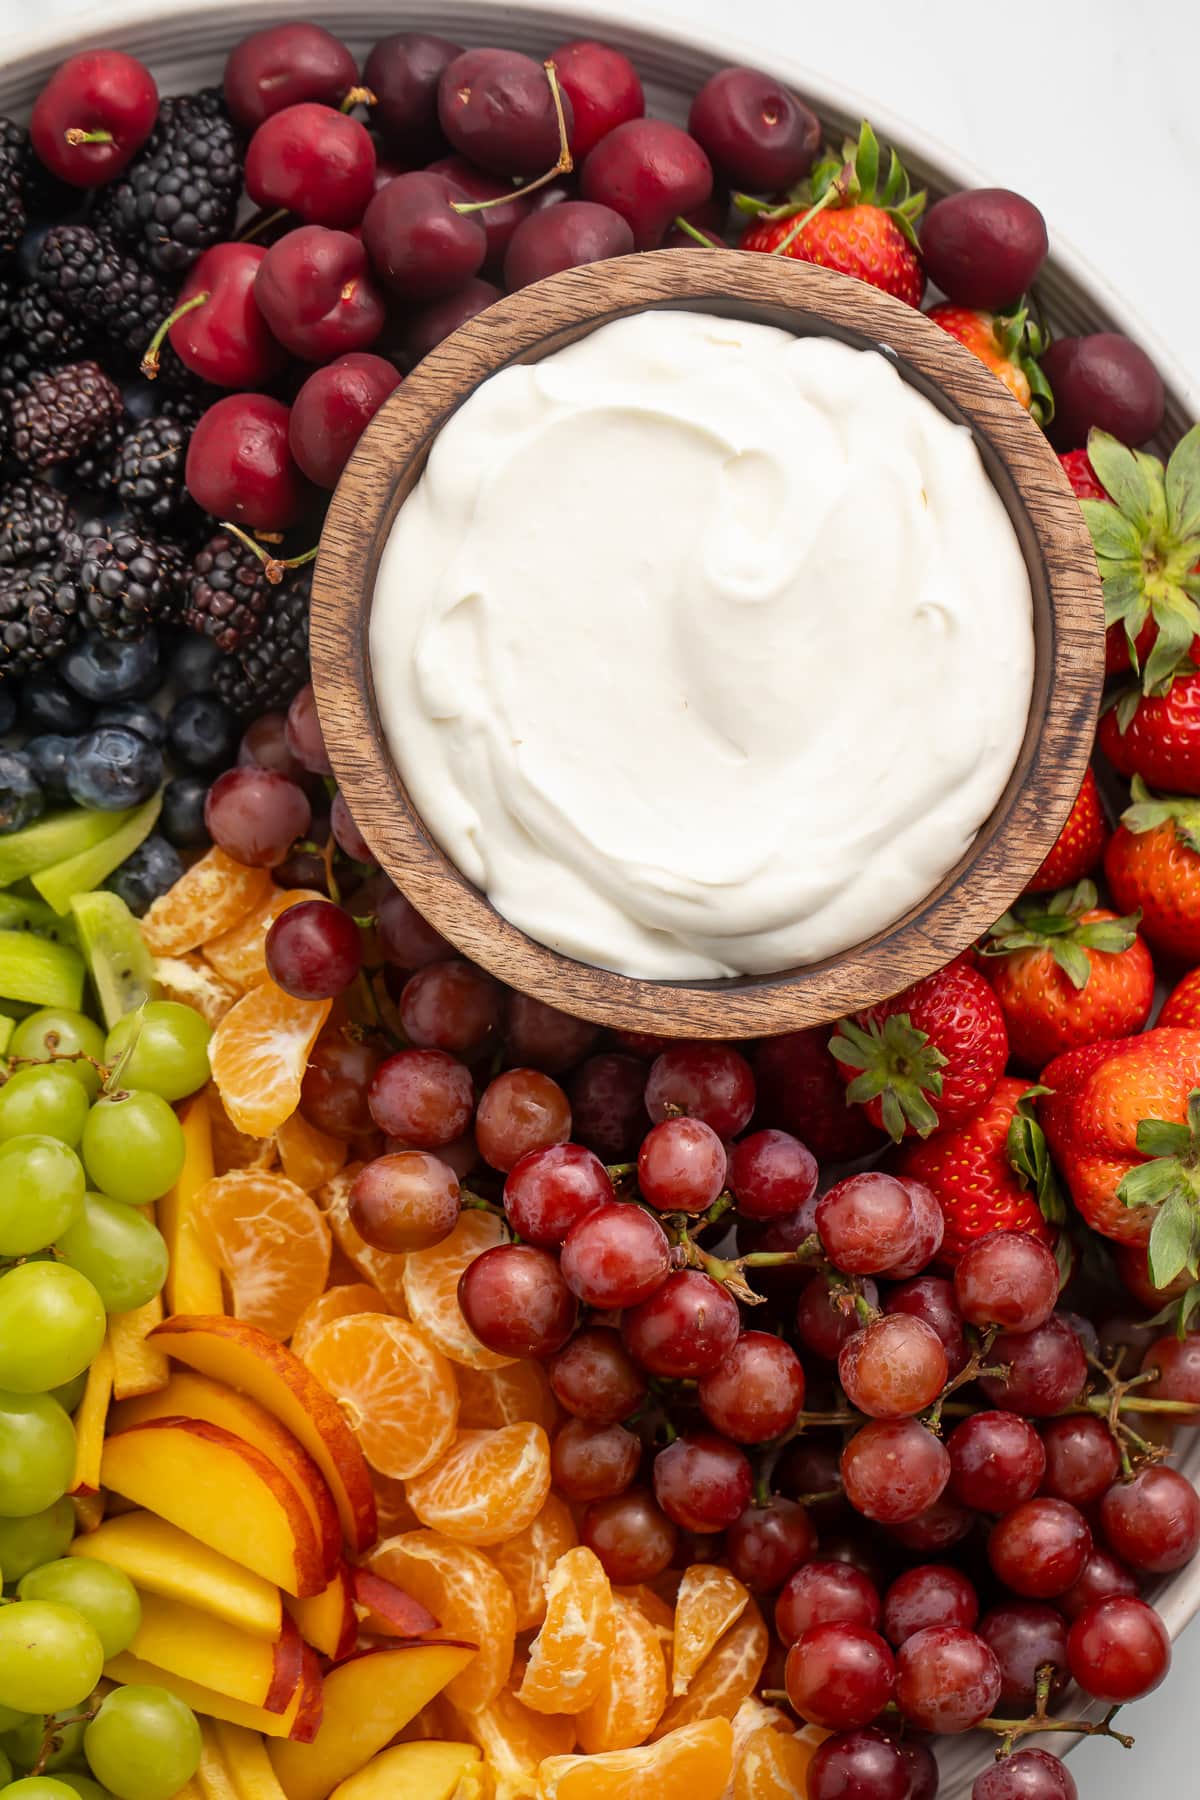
column 14, row 161
column 55, row 416
column 228, row 593
column 101, row 287
column 268, row 674
column 149, row 468
column 32, row 516
column 49, row 333
column 179, row 194
column 124, row 581
column 38, row 619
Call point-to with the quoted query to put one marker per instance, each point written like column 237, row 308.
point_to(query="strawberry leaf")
column 1174, row 1240
column 1130, row 481
column 1183, row 486
column 1160, row 1137
column 899, row 1067
column 1112, row 535
column 1149, row 811
column 1029, row 1158
column 1074, row 962
column 866, row 161
column 1178, row 621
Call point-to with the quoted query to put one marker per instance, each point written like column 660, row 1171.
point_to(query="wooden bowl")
column 806, row 300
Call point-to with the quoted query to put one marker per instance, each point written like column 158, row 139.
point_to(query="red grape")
column 255, row 816
column 538, row 1036
column 840, row 1676
column 551, row 1189
column 303, row 733
column 893, row 1469
column 450, row 1006
column 264, row 745
column 616, row 1256
column 313, row 950
column 772, row 1174
column 931, row 1298
column 826, row 1316
column 333, row 1095
column 1082, row 1458
column 768, row 1543
column 1178, row 1363
column 520, row 1111
column 1025, row 1636
column 681, row 1166
column 1039, row 1548
column 940, row 1525
column 426, row 1097
column 516, row 1302
column 821, row 1592
column 930, row 1594
column 711, row 1082
column 702, row 1482
column 893, row 1368
column 1027, row 1775
column 1118, row 1650
column 350, row 840
column 595, row 1378
column 1153, row 1521
column 867, row 1223
column 997, row 1460
column 947, row 1679
column 407, row 1201
column 1102, row 1578
column 405, row 938
column 1046, row 1369
column 859, row 1765
column 756, row 1392
column 931, row 1229
column 631, row 1535
column 607, row 1106
column 1008, row 1279
column 593, row 1462
column 685, row 1328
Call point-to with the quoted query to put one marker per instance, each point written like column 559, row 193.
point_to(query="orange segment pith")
column 487, row 1487
column 335, row 1303
column 270, row 1243
column 240, row 954
column 634, row 1691
column 709, row 1601
column 193, row 982
column 471, row 1599
column 520, row 1390
column 259, row 1052
column 395, row 1391
column 727, row 1675
column 568, row 1659
column 209, row 898
column 690, row 1764
column 431, row 1289
column 382, row 1268
column 515, row 1741
column 526, row 1560
column 772, row 1765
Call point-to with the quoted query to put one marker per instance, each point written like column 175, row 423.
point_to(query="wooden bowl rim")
column 1009, row 847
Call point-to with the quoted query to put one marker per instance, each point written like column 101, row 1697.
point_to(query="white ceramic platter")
column 186, row 44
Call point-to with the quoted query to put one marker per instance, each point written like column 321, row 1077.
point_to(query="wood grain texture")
column 804, row 299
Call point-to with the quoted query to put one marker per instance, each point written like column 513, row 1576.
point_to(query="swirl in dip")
column 703, row 649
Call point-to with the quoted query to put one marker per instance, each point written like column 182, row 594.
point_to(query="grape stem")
column 975, row 1366
column 563, row 166
column 1010, row 1731
column 472, row 1202
column 52, row 1735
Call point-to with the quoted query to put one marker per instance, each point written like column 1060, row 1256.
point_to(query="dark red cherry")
column 756, row 134
column 563, row 237
column 313, row 161
column 499, row 221
column 331, row 412
column 497, row 109
column 224, row 337
column 603, row 88
column 283, row 65
column 403, row 72
column 1103, row 380
column 420, row 332
column 984, row 246
column 649, row 172
column 239, row 465
column 317, row 294
column 93, row 116
column 419, row 245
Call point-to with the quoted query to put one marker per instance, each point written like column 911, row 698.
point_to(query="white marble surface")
column 1089, row 107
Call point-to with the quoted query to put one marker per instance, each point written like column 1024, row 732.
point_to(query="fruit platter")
column 409, row 1388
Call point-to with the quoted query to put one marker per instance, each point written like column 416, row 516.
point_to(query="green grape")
column 45, row 1100
column 143, row 1744
column 24, row 1744
column 27, row 1543
column 52, row 1324
column 132, row 1147
column 69, row 1395
column 103, row 1594
column 41, row 1193
column 53, row 1031
column 37, row 1463
column 170, row 1049
column 6, row 1769
column 82, row 1785
column 39, row 1787
column 50, row 1656
column 10, row 1718
column 121, row 1252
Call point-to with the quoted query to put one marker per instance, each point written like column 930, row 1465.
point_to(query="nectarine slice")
column 191, row 1396
column 468, row 1595
column 389, row 1610
column 328, row 1620
column 160, row 1559
column 245, row 1757
column 248, row 1360
column 367, row 1701
column 433, row 1770
column 139, row 1367
column 216, row 1783
column 222, row 1490
column 215, row 1654
column 300, row 1722
column 695, row 1760
column 91, row 1418
column 193, row 1279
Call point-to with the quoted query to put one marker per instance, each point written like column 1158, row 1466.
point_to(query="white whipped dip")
column 703, row 649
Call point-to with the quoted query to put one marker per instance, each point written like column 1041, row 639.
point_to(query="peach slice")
column 300, row 1722
column 367, row 1701
column 433, row 1769
column 389, row 1610
column 247, row 1359
column 160, row 1559
column 245, row 1757
column 191, row 1396
column 221, row 1490
column 328, row 1620
column 90, row 1421
column 139, row 1367
column 215, row 1654
column 193, row 1278
column 215, row 1781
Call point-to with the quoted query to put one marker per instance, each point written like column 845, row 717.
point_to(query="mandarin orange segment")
column 234, row 1149
column 692, row 1763
column 752, row 1715
column 240, row 954
column 569, row 1657
column 270, row 1242
column 470, row 1597
column 382, row 1268
column 259, row 1053
column 193, row 982
column 339, row 1302
column 727, row 1675
column 213, row 896
column 392, row 1510
column 434, row 1721
column 515, row 1741
column 431, row 1280
column 487, row 1487
column 526, row 1560
column 309, row 1157
column 772, row 1765
column 395, row 1391
column 634, row 1691
column 520, row 1390
column 709, row 1601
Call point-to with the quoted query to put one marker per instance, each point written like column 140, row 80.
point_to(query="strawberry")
column 1146, row 535
column 991, row 1173
column 1157, row 736
column 843, row 220
column 1067, row 972
column 1080, row 844
column 1122, row 1120
column 1182, row 1005
column 1085, row 483
column 928, row 1057
column 1009, row 344
column 799, row 1089
column 1153, row 863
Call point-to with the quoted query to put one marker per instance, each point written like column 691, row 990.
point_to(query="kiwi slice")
column 32, row 968
column 85, row 869
column 53, row 840
column 120, row 965
column 20, row 914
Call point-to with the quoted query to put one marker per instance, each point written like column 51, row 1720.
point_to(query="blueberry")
column 46, row 705
column 49, row 756
column 202, row 732
column 142, row 719
column 193, row 664
column 8, row 707
column 153, row 868
column 21, row 797
column 182, row 817
column 113, row 768
column 104, row 669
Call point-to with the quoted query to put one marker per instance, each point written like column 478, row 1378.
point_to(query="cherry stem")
column 1010, row 1731
column 689, row 230
column 274, row 567
column 564, row 165
column 262, row 223
column 76, row 136
column 149, row 363
column 357, row 96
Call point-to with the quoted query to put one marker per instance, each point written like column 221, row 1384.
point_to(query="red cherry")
column 225, row 339
column 316, row 293
column 403, row 72
column 497, row 108
column 315, row 162
column 564, row 237
column 499, row 222
column 239, row 466
column 282, row 66
column 649, row 172
column 93, row 116
column 419, row 245
column 756, row 133
column 333, row 409
column 423, row 331
column 603, row 88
